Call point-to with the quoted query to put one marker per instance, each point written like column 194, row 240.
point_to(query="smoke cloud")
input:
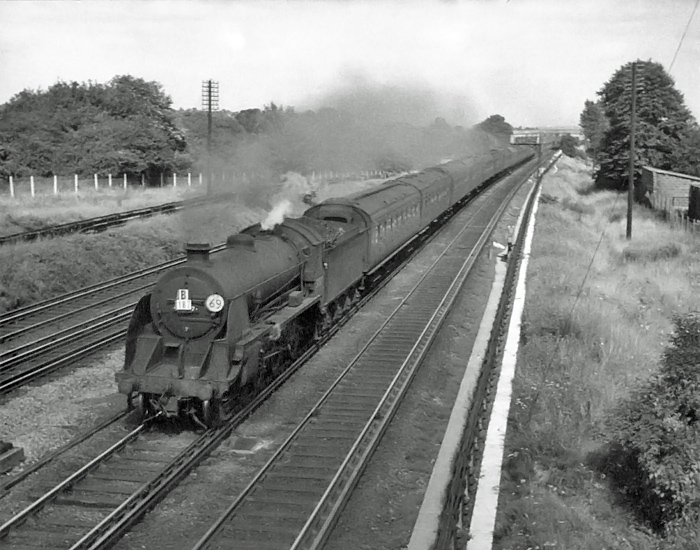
column 362, row 125
column 411, row 103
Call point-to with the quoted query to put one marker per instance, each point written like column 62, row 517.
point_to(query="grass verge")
column 575, row 368
column 24, row 213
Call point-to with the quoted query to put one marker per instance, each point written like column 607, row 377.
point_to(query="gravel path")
column 43, row 417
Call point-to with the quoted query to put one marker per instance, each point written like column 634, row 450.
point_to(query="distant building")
column 666, row 190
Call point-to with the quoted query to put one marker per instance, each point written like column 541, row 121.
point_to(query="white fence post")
column 124, row 182
column 189, row 179
column 76, row 184
column 143, row 183
column 55, row 184
column 96, row 182
column 174, row 179
column 109, row 179
column 200, row 178
column 12, row 188
column 31, row 184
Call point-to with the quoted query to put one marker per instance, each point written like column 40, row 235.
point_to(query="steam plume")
column 277, row 214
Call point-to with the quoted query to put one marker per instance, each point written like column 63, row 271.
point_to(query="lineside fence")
column 677, row 217
column 34, row 185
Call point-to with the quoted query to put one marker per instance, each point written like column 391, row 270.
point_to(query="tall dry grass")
column 577, row 364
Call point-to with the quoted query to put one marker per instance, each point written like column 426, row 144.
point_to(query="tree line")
column 667, row 136
column 128, row 126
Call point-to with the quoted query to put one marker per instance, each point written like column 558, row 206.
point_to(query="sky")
column 535, row 62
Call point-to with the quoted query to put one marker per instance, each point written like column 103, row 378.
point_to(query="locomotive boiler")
column 222, row 323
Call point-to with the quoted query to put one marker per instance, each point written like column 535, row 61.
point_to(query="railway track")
column 8, row 484
column 294, row 501
column 132, row 463
column 316, row 467
column 103, row 223
column 42, row 338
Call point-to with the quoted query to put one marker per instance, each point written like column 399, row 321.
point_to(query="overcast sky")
column 533, row 61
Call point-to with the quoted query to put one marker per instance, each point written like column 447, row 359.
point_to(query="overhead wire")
column 680, row 43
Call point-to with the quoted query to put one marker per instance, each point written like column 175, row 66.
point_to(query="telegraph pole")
column 630, row 186
column 210, row 102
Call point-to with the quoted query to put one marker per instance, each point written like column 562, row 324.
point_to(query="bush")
column 655, row 436
column 569, row 146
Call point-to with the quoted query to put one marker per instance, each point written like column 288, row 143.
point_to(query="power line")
column 683, row 37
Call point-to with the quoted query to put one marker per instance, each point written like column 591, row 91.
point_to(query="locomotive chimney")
column 197, row 252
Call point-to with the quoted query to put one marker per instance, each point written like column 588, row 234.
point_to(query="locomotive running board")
column 289, row 311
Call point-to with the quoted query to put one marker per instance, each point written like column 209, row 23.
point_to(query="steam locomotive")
column 222, row 323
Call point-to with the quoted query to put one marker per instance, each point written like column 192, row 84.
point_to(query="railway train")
column 225, row 321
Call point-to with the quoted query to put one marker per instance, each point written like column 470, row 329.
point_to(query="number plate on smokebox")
column 183, row 302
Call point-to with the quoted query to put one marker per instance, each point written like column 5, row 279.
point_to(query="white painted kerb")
column 425, row 530
column 486, row 501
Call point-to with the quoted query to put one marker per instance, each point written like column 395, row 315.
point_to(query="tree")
column 686, row 157
column 497, row 126
column 124, row 126
column 594, row 125
column 661, row 115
